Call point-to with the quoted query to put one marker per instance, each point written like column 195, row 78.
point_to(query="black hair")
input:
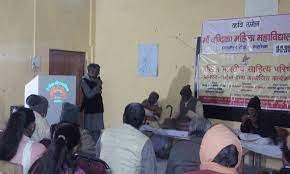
column 134, row 115
column 46, row 142
column 59, row 155
column 17, row 123
column 155, row 94
column 186, row 91
column 255, row 103
column 228, row 156
column 93, row 66
column 198, row 126
column 285, row 151
column 29, row 116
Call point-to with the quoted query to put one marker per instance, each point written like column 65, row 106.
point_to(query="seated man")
column 286, row 156
column 181, row 160
column 39, row 105
column 250, row 118
column 152, row 108
column 188, row 108
column 126, row 149
column 252, row 121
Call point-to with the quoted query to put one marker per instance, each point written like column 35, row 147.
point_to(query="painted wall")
column 59, row 25
column 117, row 28
column 174, row 25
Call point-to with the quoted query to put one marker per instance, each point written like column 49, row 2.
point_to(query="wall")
column 59, row 25
column 174, row 25
column 117, row 28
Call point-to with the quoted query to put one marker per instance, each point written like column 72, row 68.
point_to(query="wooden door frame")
column 52, row 49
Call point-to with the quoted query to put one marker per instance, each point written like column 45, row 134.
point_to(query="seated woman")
column 59, row 157
column 252, row 121
column 220, row 152
column 15, row 144
column 181, row 160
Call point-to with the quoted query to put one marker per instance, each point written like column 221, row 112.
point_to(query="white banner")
column 256, row 34
column 232, row 79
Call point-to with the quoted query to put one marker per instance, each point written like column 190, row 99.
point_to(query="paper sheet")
column 148, row 60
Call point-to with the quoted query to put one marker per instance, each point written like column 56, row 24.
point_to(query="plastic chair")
column 92, row 165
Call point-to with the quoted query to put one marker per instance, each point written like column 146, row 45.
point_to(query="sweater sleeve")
column 88, row 92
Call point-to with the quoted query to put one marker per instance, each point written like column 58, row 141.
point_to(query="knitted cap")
column 38, row 104
column 186, row 91
column 70, row 113
column 255, row 103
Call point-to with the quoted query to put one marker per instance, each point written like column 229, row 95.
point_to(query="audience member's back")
column 220, row 152
column 184, row 155
column 71, row 114
column 15, row 144
column 126, row 149
column 123, row 145
column 59, row 159
column 39, row 105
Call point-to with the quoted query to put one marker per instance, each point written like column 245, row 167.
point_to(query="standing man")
column 92, row 104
